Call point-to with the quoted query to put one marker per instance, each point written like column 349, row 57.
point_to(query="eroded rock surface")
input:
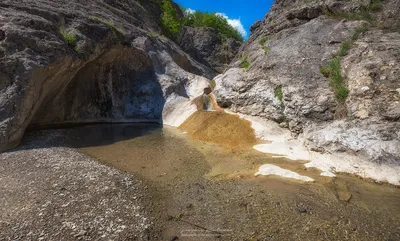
column 372, row 127
column 207, row 47
column 277, row 75
column 86, row 61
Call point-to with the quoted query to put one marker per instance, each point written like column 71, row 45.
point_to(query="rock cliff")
column 207, row 47
column 88, row 61
column 327, row 70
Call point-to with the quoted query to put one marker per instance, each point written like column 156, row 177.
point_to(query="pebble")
column 301, row 209
column 174, row 238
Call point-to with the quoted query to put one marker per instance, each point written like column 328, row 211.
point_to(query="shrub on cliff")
column 70, row 38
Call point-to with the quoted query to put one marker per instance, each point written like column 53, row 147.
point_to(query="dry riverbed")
column 171, row 187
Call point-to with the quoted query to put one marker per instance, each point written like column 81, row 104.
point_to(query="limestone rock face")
column 291, row 61
column 277, row 75
column 207, row 47
column 86, row 61
column 373, row 68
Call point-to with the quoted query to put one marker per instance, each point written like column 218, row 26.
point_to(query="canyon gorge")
column 113, row 129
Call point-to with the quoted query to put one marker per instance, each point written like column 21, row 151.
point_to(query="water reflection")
column 106, row 134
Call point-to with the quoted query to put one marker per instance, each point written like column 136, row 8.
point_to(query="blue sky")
column 247, row 11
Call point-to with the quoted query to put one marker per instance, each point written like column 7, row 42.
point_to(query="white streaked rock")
column 292, row 150
column 269, row 169
column 328, row 174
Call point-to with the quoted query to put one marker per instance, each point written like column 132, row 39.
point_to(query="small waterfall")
column 207, row 101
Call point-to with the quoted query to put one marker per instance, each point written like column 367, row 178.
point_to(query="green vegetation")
column 362, row 15
column 244, row 62
column 263, row 40
column 212, row 20
column 375, row 5
column 225, row 52
column 341, row 93
column 266, row 49
column 346, row 45
column 108, row 23
column 170, row 22
column 153, row 35
column 279, row 94
column 333, row 71
column 345, row 48
column 324, row 71
column 360, row 30
column 69, row 37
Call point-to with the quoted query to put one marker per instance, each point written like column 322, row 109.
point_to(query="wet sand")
column 218, row 127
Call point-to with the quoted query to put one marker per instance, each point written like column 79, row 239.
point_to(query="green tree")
column 169, row 20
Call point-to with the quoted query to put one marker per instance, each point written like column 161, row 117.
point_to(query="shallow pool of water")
column 211, row 190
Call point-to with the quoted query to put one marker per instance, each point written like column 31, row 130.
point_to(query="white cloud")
column 235, row 23
column 189, row 11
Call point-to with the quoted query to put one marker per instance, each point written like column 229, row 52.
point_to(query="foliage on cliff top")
column 212, row 20
column 171, row 22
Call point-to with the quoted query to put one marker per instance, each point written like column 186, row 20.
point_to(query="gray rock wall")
column 206, row 46
column 284, row 55
column 85, row 61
